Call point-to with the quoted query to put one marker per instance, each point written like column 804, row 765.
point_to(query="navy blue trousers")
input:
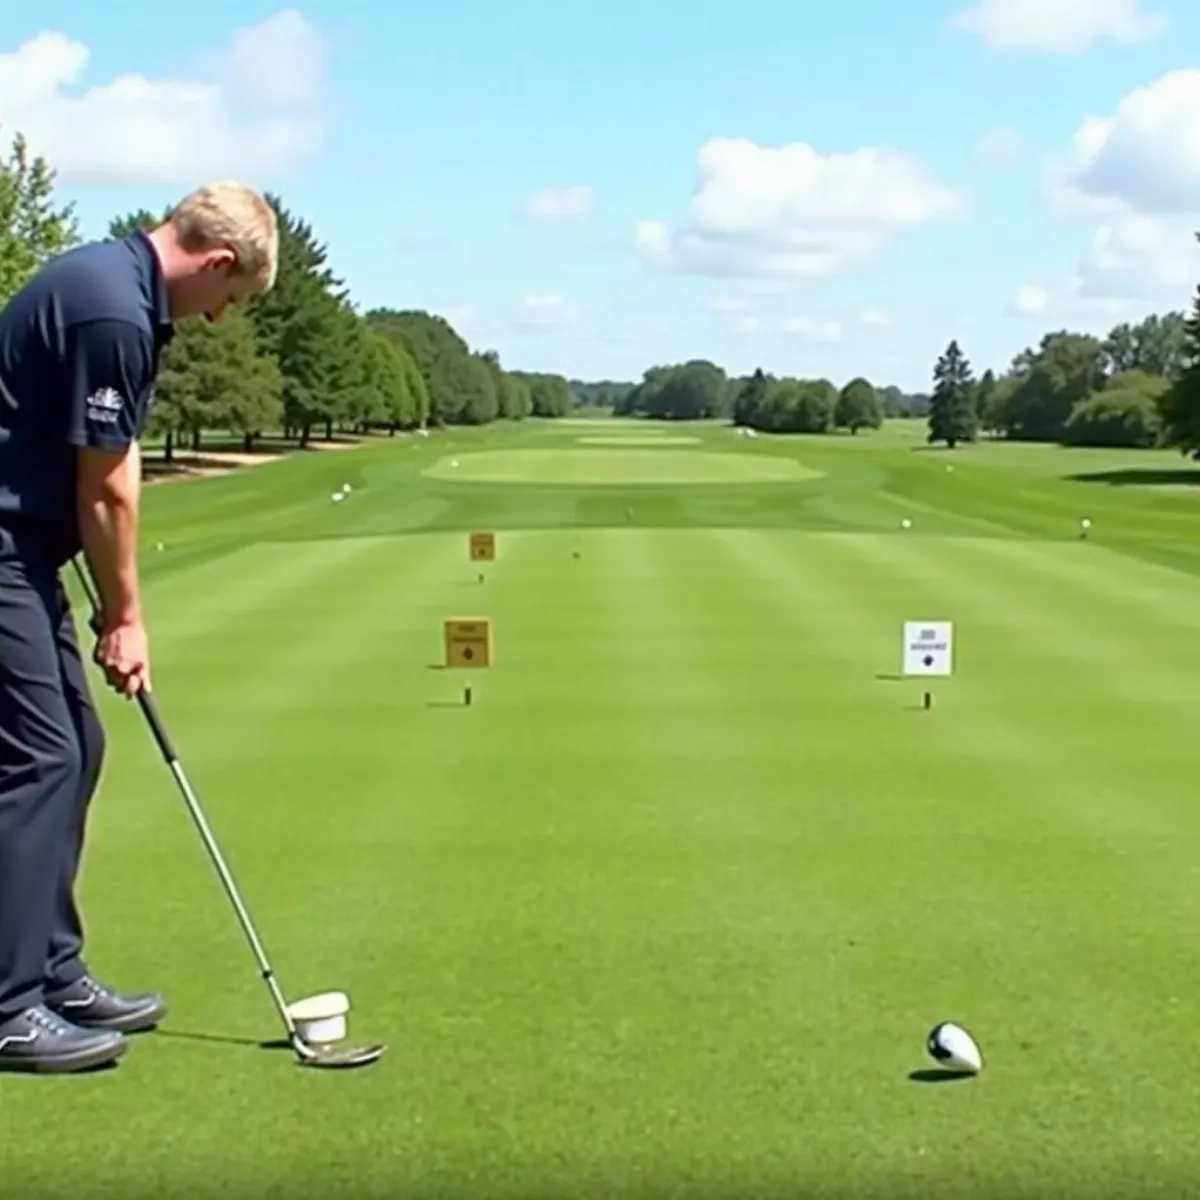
column 51, row 752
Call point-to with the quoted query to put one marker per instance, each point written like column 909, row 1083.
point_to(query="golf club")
column 309, row 1054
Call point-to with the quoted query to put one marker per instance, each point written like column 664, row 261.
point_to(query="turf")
column 669, row 909
column 626, row 440
column 627, row 466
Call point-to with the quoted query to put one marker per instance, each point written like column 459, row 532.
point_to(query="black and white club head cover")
column 951, row 1046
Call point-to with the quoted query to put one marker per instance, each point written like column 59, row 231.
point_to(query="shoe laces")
column 49, row 1021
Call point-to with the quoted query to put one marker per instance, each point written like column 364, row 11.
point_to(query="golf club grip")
column 149, row 709
column 156, row 726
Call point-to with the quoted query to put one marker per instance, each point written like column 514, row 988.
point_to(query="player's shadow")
column 938, row 1075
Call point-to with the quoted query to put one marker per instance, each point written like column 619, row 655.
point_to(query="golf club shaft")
column 167, row 749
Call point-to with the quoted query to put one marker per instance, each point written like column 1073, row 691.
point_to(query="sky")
column 820, row 190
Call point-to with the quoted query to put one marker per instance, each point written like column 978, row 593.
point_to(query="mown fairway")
column 671, row 907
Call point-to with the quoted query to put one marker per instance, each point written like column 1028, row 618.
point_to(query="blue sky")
column 411, row 138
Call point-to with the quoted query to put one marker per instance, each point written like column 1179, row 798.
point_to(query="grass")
column 669, row 909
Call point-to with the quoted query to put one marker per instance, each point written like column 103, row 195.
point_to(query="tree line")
column 302, row 358
column 1138, row 386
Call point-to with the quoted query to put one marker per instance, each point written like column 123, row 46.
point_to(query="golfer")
column 80, row 346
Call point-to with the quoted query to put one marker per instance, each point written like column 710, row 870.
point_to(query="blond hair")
column 231, row 214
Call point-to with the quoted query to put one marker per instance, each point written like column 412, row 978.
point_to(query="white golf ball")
column 345, row 487
column 454, row 462
column 1086, row 523
column 953, row 1047
column 906, row 524
column 336, row 497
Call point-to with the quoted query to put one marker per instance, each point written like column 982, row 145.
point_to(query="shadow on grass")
column 224, row 1039
column 1142, row 477
column 938, row 1075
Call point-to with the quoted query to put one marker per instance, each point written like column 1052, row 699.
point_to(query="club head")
column 337, row 1056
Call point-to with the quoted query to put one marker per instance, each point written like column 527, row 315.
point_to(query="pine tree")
column 213, row 377
column 32, row 229
column 299, row 323
column 1179, row 408
column 952, row 415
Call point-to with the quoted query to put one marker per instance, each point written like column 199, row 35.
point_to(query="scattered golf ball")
column 906, row 524
column 1085, row 523
column 454, row 462
column 953, row 1047
column 345, row 487
column 159, row 546
column 336, row 497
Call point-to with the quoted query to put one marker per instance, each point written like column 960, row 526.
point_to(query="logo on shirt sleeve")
column 104, row 405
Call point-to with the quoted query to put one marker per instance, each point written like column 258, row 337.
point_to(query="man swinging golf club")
column 80, row 347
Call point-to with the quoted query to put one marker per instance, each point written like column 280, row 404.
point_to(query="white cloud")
column 1029, row 300
column 809, row 329
column 875, row 318
column 559, row 204
column 545, row 310
column 256, row 109
column 1143, row 158
column 1063, row 26
column 997, row 148
column 1138, row 258
column 792, row 212
column 1133, row 264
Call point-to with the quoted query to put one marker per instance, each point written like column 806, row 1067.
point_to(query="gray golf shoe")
column 91, row 1005
column 39, row 1040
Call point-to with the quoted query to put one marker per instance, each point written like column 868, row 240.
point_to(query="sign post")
column 928, row 651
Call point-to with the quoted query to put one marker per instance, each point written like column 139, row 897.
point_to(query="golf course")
column 670, row 907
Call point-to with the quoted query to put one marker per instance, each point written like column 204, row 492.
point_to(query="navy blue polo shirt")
column 79, row 353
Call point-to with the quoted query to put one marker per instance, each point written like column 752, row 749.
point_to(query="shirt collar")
column 160, row 301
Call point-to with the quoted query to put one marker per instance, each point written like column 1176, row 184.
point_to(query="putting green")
column 588, row 467
column 610, row 423
column 662, row 440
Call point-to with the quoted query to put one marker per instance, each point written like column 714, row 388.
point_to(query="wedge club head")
column 337, row 1056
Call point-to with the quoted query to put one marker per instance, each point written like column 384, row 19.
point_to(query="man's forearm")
column 108, row 509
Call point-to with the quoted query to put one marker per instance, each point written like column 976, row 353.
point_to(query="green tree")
column 213, row 377
column 433, row 344
column 1157, row 344
column 858, row 407
column 1179, row 409
column 952, row 416
column 1117, row 416
column 751, row 400
column 300, row 323
column 143, row 218
column 985, row 389
column 550, row 394
column 33, row 229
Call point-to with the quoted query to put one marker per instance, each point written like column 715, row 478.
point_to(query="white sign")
column 928, row 647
